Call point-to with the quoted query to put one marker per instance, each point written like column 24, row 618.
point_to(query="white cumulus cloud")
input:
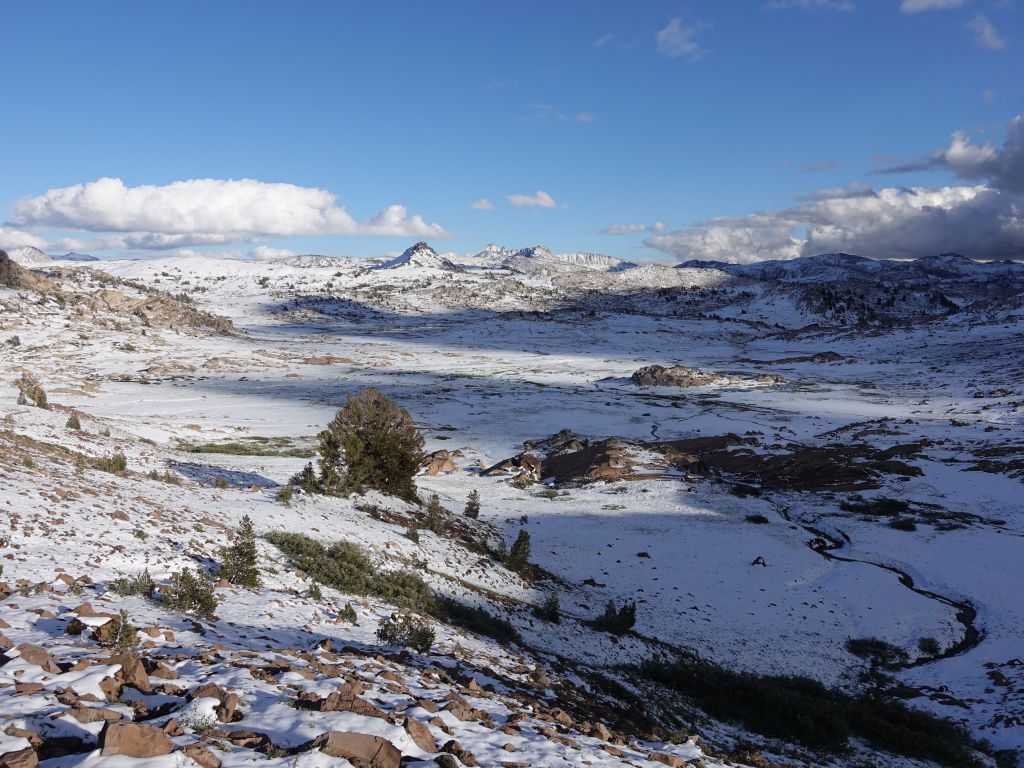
column 982, row 220
column 916, row 6
column 267, row 252
column 204, row 212
column 977, row 221
column 985, row 33
column 678, row 40
column 632, row 229
column 483, row 204
column 1002, row 166
column 812, row 5
column 14, row 238
column 539, row 200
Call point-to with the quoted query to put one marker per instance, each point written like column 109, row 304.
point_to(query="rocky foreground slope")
column 799, row 478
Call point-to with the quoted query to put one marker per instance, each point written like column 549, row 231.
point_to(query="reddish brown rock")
column 360, row 749
column 673, row 761
column 466, row 757
column 228, row 707
column 133, row 740
column 420, row 733
column 201, row 755
column 94, row 714
column 132, row 671
column 35, row 654
column 23, row 758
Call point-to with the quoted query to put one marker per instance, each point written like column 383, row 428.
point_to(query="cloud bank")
column 202, row 212
column 984, row 220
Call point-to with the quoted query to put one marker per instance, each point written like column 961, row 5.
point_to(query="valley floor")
column 481, row 382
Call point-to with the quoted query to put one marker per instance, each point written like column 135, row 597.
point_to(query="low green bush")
column 803, row 711
column 407, row 631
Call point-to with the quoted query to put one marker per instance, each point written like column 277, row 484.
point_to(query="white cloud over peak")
column 985, row 33
column 266, row 252
column 677, row 40
column 204, row 212
column 539, row 200
column 1003, row 167
column 916, row 6
column 983, row 220
column 888, row 223
column 15, row 238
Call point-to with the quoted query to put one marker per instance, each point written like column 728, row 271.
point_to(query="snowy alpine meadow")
column 774, row 511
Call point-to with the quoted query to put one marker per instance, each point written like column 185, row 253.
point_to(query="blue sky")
column 624, row 114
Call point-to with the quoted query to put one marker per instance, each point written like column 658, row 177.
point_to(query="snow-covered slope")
column 767, row 557
column 29, row 256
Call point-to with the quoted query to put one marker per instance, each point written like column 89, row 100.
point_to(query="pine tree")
column 435, row 515
column 238, row 561
column 519, row 556
column 74, row 422
column 472, row 505
column 371, row 443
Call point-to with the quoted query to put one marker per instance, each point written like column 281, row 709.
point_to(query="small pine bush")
column 122, row 634
column 74, row 423
column 348, row 613
column 141, row 585
column 406, row 631
column 284, row 495
column 435, row 515
column 413, row 534
column 616, row 621
column 472, row 505
column 191, row 593
column 314, row 592
column 519, row 556
column 549, row 610
column 115, row 463
column 239, row 560
column 306, row 480
column 220, row 482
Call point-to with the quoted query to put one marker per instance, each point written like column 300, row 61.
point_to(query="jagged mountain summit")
column 421, row 255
